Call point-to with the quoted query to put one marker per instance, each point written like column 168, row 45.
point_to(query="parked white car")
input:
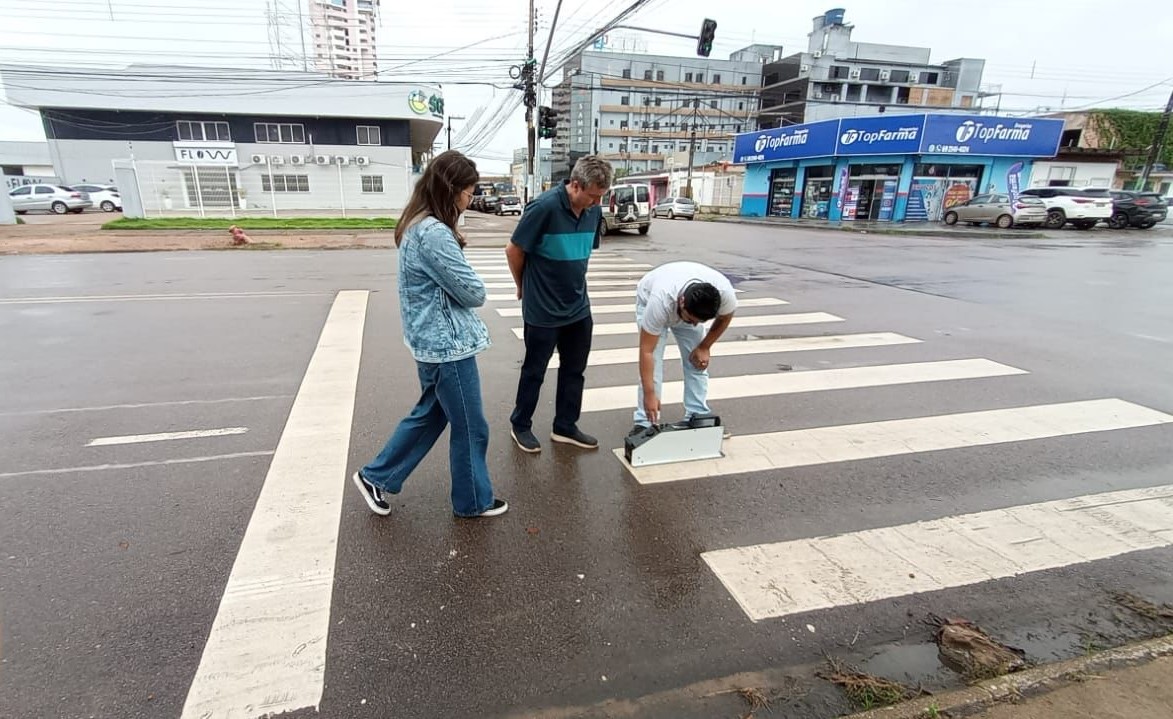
column 103, row 196
column 673, row 207
column 1072, row 204
column 57, row 199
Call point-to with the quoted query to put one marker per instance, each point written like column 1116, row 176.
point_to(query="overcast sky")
column 1046, row 55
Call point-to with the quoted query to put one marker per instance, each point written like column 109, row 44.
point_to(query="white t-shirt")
column 660, row 289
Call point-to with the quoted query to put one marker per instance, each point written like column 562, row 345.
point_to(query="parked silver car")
column 997, row 210
column 106, row 197
column 673, row 207
column 50, row 198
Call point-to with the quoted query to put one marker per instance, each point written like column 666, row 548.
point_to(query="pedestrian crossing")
column 775, row 580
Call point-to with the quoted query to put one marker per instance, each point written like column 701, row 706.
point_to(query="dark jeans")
column 451, row 395
column 573, row 343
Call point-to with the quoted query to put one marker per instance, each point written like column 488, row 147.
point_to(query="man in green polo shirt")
column 548, row 257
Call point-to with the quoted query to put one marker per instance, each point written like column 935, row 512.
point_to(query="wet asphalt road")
column 591, row 589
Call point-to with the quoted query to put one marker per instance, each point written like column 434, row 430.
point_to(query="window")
column 741, row 106
column 369, row 135
column 744, row 79
column 641, row 193
column 700, row 77
column 623, row 124
column 655, row 149
column 647, row 74
column 929, row 78
column 658, row 102
column 42, row 190
column 898, row 76
column 285, row 183
column 712, row 104
column 840, row 72
column 26, row 190
column 372, row 183
column 656, row 125
column 623, row 147
column 716, row 79
column 659, row 76
column 688, row 77
column 196, row 131
column 285, row 133
column 625, row 100
column 870, row 74
column 627, row 74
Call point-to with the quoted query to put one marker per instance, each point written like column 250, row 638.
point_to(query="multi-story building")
column 519, row 171
column 837, row 77
column 636, row 110
column 344, row 37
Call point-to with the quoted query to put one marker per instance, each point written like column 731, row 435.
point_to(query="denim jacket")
column 438, row 290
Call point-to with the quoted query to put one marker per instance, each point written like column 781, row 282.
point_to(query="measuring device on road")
column 697, row 438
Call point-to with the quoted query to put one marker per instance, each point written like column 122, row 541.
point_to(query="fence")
column 338, row 187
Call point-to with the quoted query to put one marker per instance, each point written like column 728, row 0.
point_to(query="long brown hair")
column 437, row 191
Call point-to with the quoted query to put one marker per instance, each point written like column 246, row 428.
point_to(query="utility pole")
column 528, row 79
column 1158, row 143
column 450, row 119
column 691, row 148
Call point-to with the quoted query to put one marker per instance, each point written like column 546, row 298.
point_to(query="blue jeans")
column 696, row 381
column 451, row 394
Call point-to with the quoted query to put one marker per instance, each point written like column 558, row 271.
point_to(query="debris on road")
column 1143, row 607
column 865, row 690
column 966, row 649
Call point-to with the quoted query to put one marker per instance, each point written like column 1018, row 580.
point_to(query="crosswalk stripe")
column 165, row 436
column 599, row 399
column 595, row 295
column 800, row 318
column 266, row 653
column 629, row 355
column 630, row 308
column 784, row 578
column 590, row 283
column 609, row 274
column 890, row 438
column 595, row 265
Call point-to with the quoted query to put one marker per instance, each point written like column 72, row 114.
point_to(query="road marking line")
column 154, row 298
column 135, row 465
column 630, row 308
column 142, row 405
column 502, row 267
column 626, row 355
column 890, row 438
column 599, row 399
column 801, row 318
column 633, row 275
column 165, row 436
column 590, row 283
column 776, row 580
column 266, row 653
column 599, row 294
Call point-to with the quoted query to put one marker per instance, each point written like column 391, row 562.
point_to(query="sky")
column 1045, row 56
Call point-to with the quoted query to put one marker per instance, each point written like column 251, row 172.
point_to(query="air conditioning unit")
column 817, row 54
column 883, row 76
column 297, row 160
column 804, row 68
column 342, row 160
column 855, row 74
column 259, row 160
column 322, row 159
column 817, row 95
column 362, row 160
column 276, row 160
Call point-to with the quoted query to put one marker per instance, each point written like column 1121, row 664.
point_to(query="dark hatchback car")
column 1137, row 209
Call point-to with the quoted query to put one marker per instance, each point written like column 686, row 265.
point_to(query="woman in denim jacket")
column 438, row 292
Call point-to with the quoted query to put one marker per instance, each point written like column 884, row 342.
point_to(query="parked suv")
column 1082, row 207
column 673, row 207
column 627, row 207
column 1136, row 209
column 52, row 198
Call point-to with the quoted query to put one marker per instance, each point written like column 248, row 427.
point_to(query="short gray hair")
column 592, row 170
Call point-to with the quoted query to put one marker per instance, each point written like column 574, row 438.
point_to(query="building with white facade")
column 25, row 163
column 344, row 36
column 838, row 77
column 635, row 110
column 205, row 139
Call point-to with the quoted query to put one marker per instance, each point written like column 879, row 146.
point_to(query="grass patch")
column 253, row 223
column 865, row 690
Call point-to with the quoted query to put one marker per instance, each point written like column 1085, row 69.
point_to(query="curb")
column 1036, row 680
column 943, row 234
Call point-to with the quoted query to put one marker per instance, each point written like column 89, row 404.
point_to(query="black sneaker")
column 525, row 440
column 500, row 506
column 372, row 494
column 637, row 429
column 578, row 438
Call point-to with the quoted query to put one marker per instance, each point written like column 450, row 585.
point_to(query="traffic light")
column 704, row 41
column 547, row 122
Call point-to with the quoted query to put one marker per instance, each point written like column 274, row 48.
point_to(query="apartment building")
column 838, row 77
column 344, row 39
column 636, row 110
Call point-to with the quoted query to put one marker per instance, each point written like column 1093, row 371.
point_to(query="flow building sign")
column 206, row 153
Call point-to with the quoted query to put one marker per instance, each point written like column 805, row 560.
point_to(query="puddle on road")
column 910, row 664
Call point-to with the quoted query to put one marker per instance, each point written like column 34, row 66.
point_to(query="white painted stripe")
column 595, row 294
column 630, row 308
column 590, row 283
column 598, row 399
column 155, row 298
column 890, row 438
column 634, row 275
column 501, row 267
column 266, row 653
column 165, row 436
column 776, row 580
column 629, row 355
column 134, row 465
column 801, row 318
column 141, row 405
